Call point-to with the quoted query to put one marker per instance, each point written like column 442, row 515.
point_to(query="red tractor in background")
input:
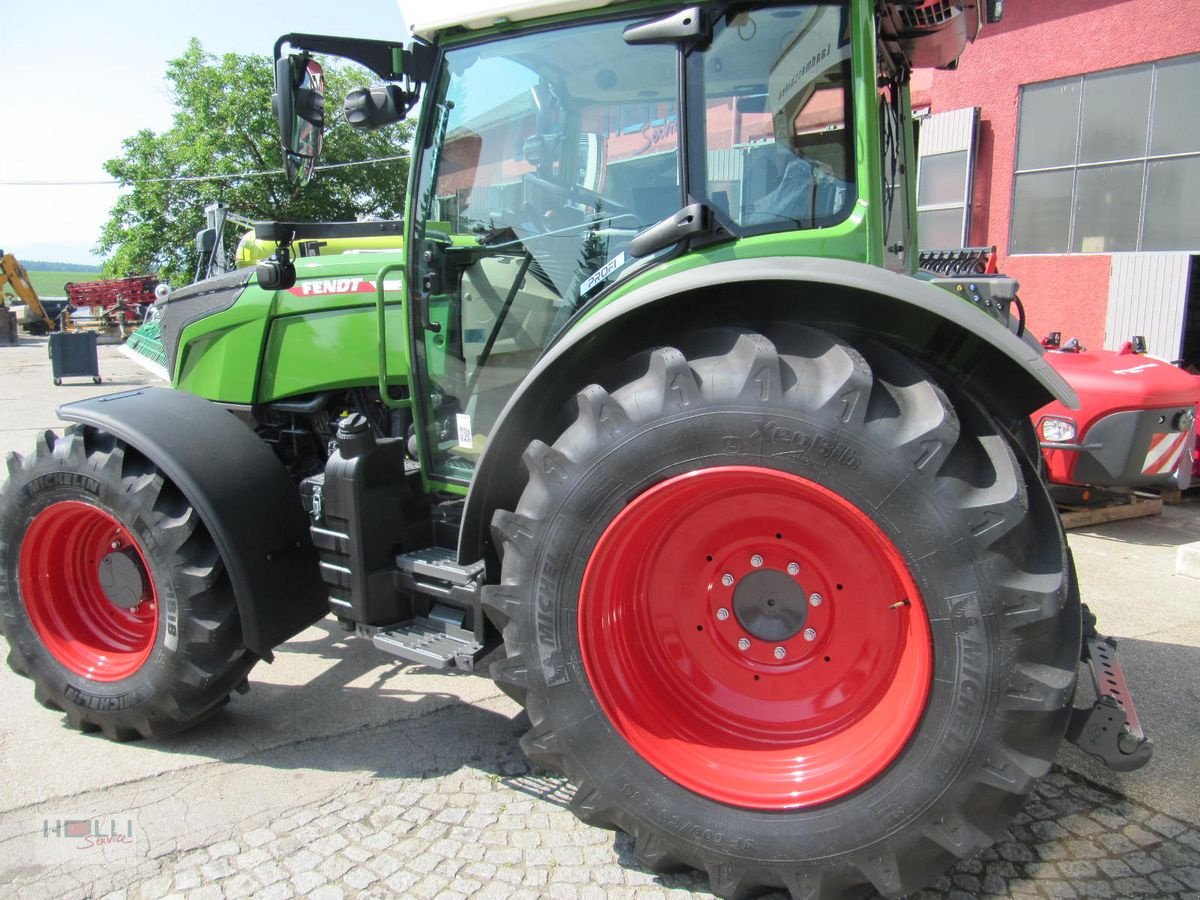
column 1136, row 425
column 1137, row 422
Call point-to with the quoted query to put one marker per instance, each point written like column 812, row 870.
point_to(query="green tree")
column 223, row 125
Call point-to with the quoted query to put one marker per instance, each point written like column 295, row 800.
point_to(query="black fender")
column 242, row 493
column 1007, row 373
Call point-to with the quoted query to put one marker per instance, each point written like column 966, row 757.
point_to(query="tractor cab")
column 563, row 166
column 555, row 162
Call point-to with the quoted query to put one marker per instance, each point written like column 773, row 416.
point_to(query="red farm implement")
column 115, row 303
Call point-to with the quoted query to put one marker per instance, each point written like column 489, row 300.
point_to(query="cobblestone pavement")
column 469, row 819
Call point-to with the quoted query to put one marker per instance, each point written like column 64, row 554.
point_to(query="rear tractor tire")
column 788, row 611
column 113, row 597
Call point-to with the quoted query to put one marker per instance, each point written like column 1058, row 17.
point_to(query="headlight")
column 1057, row 431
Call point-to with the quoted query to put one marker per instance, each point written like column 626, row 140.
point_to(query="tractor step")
column 439, row 564
column 448, row 634
column 437, row 640
column 1110, row 729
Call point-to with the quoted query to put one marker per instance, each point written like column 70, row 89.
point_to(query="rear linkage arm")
column 1110, row 729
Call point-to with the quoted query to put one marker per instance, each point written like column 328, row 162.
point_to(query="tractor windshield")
column 559, row 144
column 546, row 153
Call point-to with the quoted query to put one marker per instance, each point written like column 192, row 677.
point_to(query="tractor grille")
column 926, row 14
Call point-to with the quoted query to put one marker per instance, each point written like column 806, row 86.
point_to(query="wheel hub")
column 770, row 605
column 762, row 611
column 121, row 579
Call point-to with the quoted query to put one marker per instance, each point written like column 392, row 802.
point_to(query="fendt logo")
column 352, row 285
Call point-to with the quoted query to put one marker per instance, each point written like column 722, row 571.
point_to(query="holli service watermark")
column 86, row 834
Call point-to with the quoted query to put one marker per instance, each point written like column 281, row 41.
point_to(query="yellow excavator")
column 13, row 277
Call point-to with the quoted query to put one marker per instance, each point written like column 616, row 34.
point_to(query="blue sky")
column 77, row 76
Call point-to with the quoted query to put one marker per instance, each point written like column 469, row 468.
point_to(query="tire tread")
column 953, row 448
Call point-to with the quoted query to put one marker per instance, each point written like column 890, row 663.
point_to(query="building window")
column 946, row 152
column 1109, row 162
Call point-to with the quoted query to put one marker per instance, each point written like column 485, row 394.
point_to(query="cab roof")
column 431, row 19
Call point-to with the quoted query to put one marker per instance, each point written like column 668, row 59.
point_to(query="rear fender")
column 1007, row 373
column 242, row 493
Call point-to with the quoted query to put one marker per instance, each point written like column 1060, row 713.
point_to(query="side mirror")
column 275, row 274
column 299, row 105
column 376, row 106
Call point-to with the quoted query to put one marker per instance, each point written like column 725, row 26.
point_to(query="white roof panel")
column 428, row 19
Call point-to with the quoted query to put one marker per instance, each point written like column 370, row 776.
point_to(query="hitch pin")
column 899, row 603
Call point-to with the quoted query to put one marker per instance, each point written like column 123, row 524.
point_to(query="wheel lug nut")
column 780, row 653
column 793, row 568
column 115, row 545
column 727, row 580
column 722, row 614
column 810, row 634
column 756, row 560
column 744, row 644
column 814, row 599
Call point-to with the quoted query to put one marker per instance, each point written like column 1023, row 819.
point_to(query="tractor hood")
column 1124, row 379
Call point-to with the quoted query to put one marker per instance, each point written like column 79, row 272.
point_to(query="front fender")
column 242, row 493
column 1006, row 372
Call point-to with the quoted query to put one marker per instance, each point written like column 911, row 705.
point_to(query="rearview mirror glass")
column 299, row 102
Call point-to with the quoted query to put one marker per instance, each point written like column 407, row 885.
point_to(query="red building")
column 1071, row 133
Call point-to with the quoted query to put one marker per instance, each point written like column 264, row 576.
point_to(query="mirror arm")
column 390, row 61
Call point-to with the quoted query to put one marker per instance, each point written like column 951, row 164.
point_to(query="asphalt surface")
column 345, row 773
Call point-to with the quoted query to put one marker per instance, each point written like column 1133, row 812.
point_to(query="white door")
column 1147, row 295
column 945, row 175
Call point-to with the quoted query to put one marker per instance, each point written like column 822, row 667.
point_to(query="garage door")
column 1147, row 295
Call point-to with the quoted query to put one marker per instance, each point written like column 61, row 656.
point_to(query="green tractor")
column 649, row 421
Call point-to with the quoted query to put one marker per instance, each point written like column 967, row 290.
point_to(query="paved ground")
column 342, row 773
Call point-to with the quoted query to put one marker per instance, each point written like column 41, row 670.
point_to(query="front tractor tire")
column 113, row 598
column 789, row 611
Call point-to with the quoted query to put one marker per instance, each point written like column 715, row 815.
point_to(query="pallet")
column 1175, row 497
column 1134, row 505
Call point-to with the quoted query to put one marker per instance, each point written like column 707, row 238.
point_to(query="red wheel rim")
column 60, row 574
column 755, row 637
